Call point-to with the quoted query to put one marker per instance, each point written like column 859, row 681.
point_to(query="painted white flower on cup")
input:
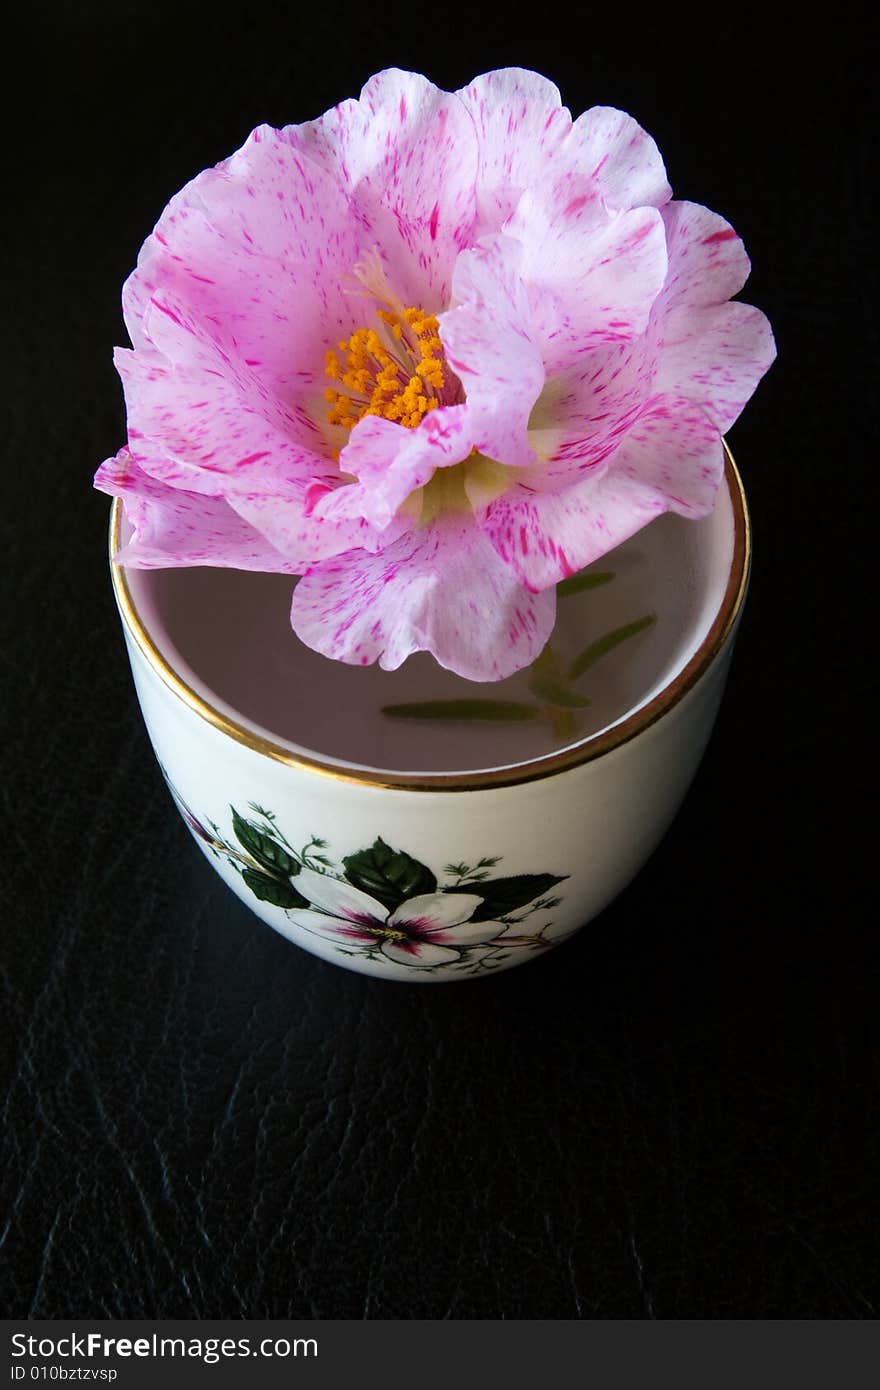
column 426, row 930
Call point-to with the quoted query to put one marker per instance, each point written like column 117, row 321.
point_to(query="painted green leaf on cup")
column 502, row 896
column 272, row 890
column 263, row 849
column 388, row 874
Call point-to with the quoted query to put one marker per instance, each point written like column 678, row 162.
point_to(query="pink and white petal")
column 411, row 148
column 290, row 523
column 276, row 318
column 674, row 452
column 707, row 260
column 209, row 433
column 671, row 460
column 441, row 589
column 715, row 356
column 592, row 279
column 521, row 125
column 622, row 159
column 152, row 263
column 186, row 344
column 583, row 413
column 331, row 928
column 171, row 527
column 490, row 347
column 421, row 954
column 391, row 461
column 267, row 229
column 436, row 910
column 283, row 519
column 270, row 196
column 336, row 896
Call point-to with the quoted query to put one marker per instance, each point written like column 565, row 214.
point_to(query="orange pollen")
column 396, row 371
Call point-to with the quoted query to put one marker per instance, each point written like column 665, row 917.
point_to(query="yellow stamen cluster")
column 395, row 371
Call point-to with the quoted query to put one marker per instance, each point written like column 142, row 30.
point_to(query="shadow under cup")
column 333, row 819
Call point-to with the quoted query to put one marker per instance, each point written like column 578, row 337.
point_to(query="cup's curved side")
column 426, row 885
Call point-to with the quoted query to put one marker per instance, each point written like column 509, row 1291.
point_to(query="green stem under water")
column 511, row 710
column 579, row 583
column 603, row 645
column 548, row 679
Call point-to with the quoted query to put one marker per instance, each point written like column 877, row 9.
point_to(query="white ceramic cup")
column 438, row 876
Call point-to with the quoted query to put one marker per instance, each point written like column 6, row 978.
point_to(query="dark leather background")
column 675, row 1115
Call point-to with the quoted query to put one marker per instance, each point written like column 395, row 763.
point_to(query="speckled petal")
column 290, row 524
column 171, row 527
column 670, row 460
column 440, row 589
column 675, row 453
column 521, row 125
column 591, row 278
column 490, row 347
column 707, row 260
column 390, row 462
column 258, row 249
column 715, row 356
column 409, row 148
column 284, row 519
column 583, row 413
column 622, row 159
column 215, row 427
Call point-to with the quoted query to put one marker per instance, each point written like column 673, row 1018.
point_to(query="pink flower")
column 423, row 931
column 433, row 352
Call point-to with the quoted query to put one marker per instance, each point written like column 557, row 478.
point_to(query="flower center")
column 380, row 930
column 396, row 370
column 391, row 934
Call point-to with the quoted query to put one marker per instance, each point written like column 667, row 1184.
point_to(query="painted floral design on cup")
column 383, row 903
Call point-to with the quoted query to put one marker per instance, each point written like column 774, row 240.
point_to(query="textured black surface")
column 676, row 1115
